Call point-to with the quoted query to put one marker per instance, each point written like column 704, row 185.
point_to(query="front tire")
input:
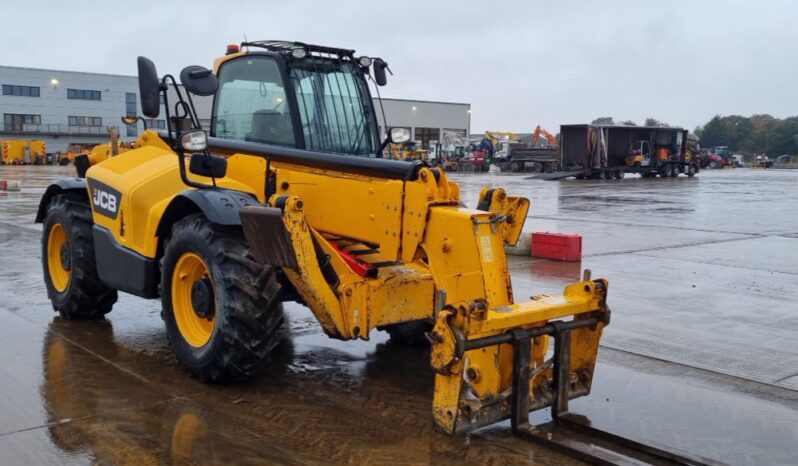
column 221, row 307
column 70, row 270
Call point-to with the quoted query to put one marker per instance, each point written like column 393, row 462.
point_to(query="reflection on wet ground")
column 110, row 392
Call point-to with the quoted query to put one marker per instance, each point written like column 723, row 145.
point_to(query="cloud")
column 518, row 63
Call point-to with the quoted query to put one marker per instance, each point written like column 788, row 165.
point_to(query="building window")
column 85, row 121
column 83, row 94
column 428, row 136
column 21, row 91
column 16, row 121
column 156, row 124
column 131, row 105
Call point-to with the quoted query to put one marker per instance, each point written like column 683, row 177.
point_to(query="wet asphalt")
column 701, row 355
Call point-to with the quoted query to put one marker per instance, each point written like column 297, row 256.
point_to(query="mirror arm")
column 166, row 107
column 193, row 112
column 181, row 159
column 384, row 144
column 184, row 174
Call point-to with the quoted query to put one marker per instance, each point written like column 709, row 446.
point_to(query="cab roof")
column 282, row 46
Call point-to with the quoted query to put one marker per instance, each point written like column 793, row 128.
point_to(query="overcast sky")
column 518, row 64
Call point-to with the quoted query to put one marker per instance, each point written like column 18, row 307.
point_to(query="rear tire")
column 409, row 333
column 70, row 270
column 691, row 170
column 242, row 312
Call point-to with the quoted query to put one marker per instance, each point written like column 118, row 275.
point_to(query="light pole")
column 413, row 122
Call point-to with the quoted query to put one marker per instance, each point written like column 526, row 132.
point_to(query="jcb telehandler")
column 290, row 199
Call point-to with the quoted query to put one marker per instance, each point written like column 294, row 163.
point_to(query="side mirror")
column 199, row 81
column 398, row 135
column 395, row 136
column 212, row 166
column 149, row 88
column 379, row 72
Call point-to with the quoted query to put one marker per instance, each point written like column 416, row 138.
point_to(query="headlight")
column 365, row 62
column 194, row 141
column 299, row 53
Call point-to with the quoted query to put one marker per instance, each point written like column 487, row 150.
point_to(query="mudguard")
column 220, row 206
column 61, row 185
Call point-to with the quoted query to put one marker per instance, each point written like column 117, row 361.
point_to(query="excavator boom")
column 546, row 134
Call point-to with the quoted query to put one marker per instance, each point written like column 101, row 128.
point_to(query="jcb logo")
column 104, row 198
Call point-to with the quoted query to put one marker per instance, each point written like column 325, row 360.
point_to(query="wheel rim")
column 196, row 330
column 59, row 261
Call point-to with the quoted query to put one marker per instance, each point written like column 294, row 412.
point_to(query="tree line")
column 757, row 134
column 610, row 121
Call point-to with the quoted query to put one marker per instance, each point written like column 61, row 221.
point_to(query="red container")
column 557, row 246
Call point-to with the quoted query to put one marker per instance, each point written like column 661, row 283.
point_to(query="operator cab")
column 283, row 94
column 298, row 95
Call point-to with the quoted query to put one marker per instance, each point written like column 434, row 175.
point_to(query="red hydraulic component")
column 357, row 265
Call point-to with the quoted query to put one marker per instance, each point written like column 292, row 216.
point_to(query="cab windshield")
column 335, row 112
column 251, row 103
column 334, row 107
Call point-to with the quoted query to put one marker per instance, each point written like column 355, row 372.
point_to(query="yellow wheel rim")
column 195, row 330
column 58, row 257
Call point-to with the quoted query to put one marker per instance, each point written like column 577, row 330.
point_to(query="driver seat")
column 272, row 127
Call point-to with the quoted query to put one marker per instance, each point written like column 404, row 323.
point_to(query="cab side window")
column 251, row 103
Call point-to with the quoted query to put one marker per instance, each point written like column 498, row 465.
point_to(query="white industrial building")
column 430, row 123
column 66, row 107
column 69, row 107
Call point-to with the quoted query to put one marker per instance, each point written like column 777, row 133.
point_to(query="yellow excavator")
column 281, row 204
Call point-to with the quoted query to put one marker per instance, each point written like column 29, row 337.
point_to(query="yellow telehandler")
column 290, row 198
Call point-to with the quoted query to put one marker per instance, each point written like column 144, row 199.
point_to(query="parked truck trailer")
column 23, row 152
column 603, row 151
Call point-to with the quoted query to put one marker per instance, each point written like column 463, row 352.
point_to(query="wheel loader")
column 289, row 198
